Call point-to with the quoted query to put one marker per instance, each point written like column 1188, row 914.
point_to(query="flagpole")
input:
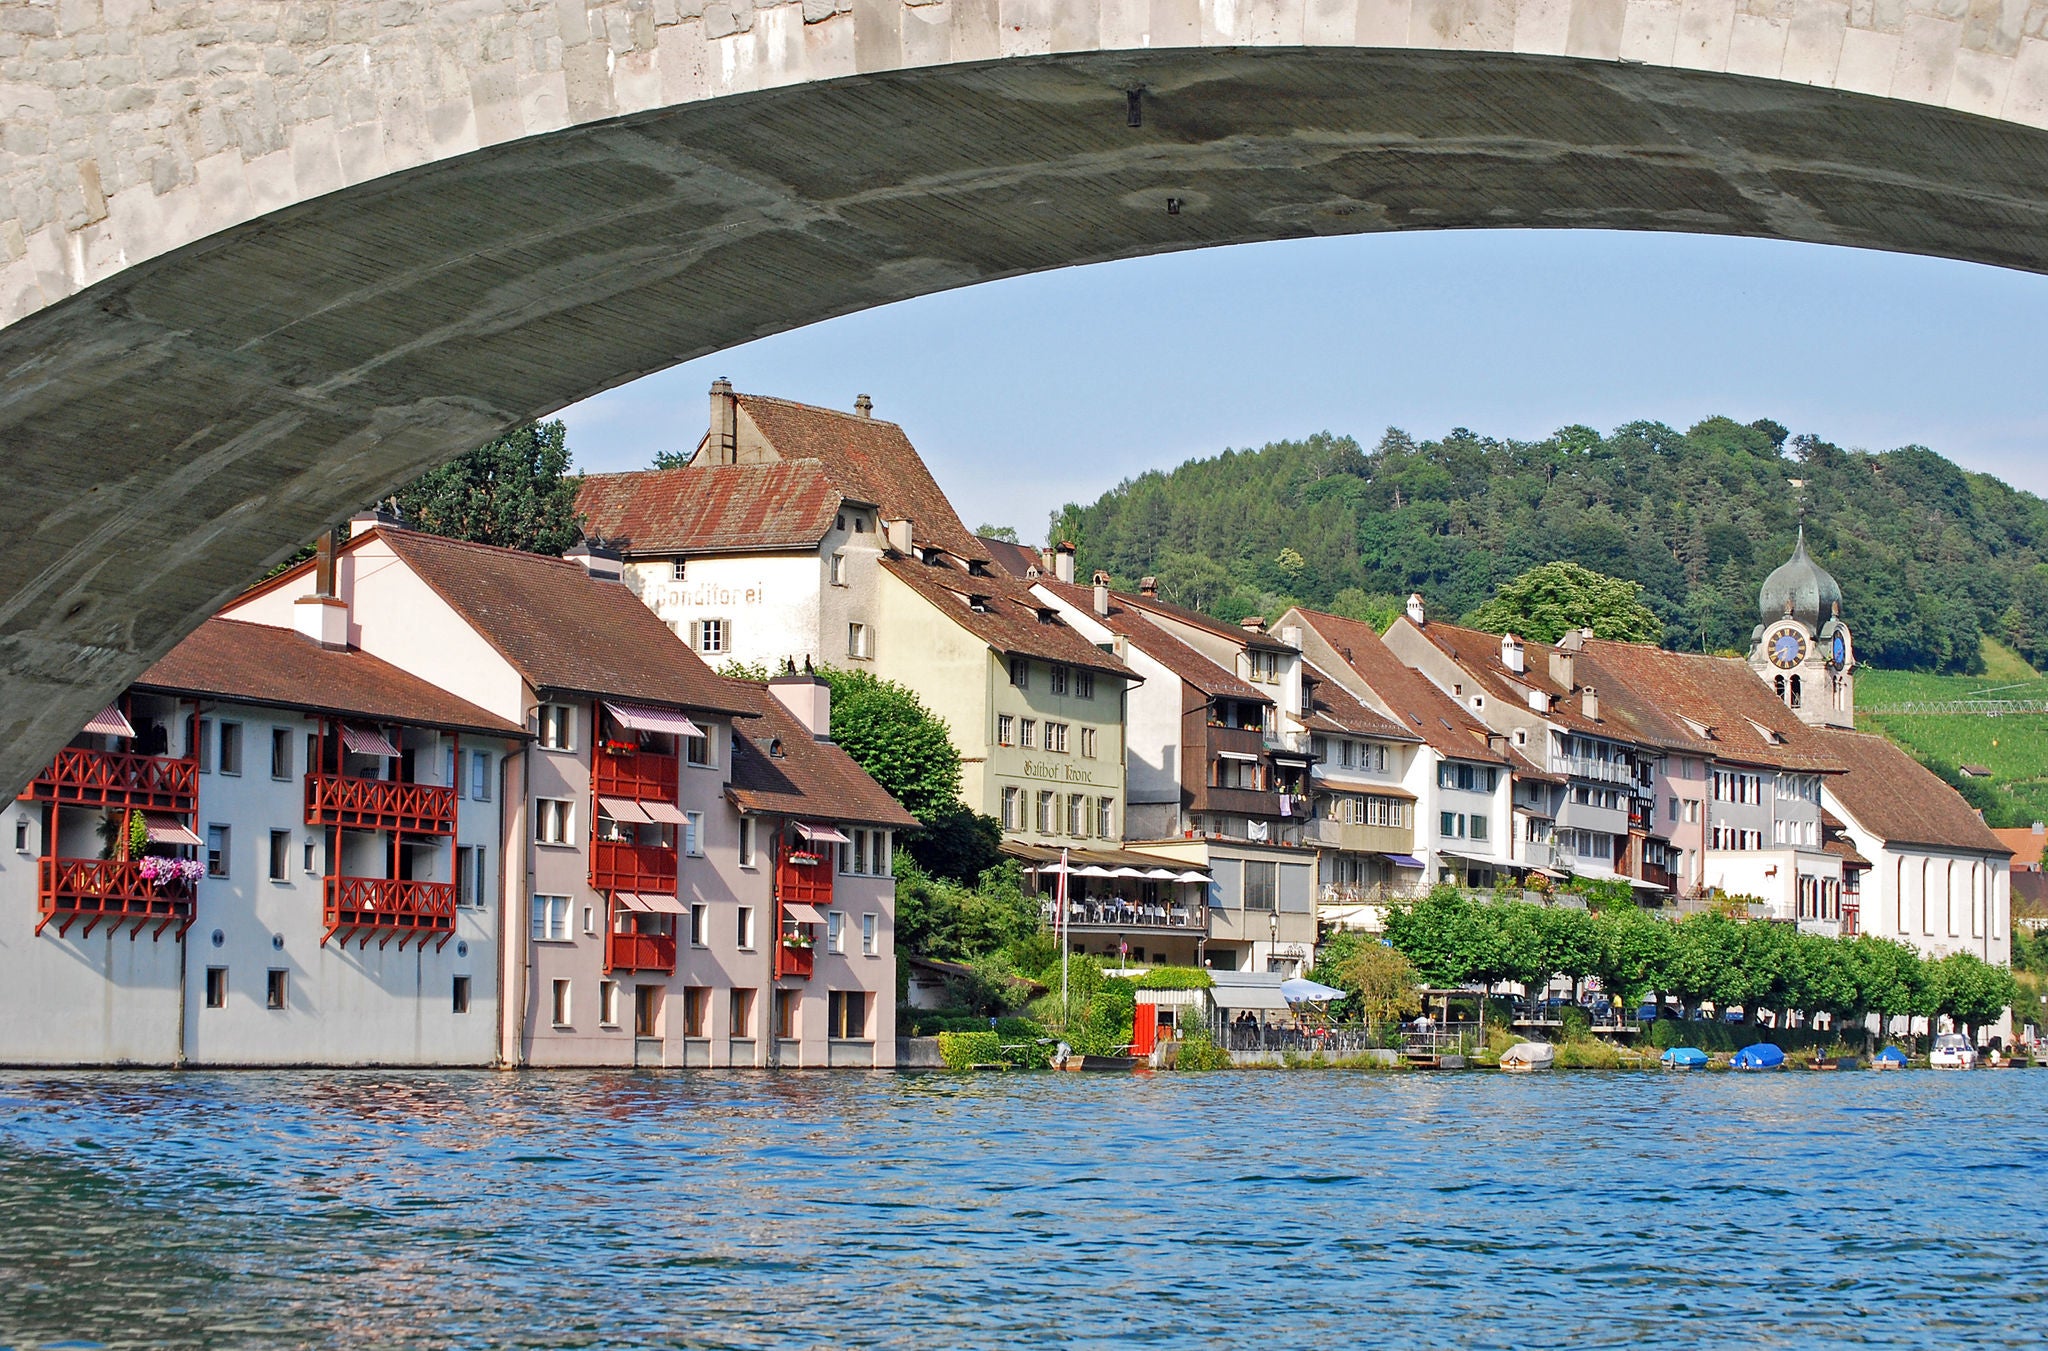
column 1065, row 946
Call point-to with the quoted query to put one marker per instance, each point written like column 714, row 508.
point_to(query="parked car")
column 1952, row 1051
column 1648, row 1013
column 1731, row 1015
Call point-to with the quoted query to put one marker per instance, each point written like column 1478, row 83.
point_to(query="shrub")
column 1175, row 978
column 1198, row 1051
column 964, row 1050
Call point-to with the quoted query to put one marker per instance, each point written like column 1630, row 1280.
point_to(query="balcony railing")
column 794, row 960
column 1125, row 915
column 641, row 776
column 379, row 804
column 105, row 779
column 96, row 889
column 386, row 908
column 616, row 865
column 1602, row 771
column 640, row 952
column 1357, row 837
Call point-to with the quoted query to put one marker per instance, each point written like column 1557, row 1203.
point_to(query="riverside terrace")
column 1122, row 904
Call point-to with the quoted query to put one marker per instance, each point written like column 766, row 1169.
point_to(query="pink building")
column 693, row 875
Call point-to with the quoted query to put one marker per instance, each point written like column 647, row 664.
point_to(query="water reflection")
column 620, row 1209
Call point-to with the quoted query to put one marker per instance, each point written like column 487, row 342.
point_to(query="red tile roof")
column 1333, row 709
column 1433, row 715
column 1651, row 693
column 1019, row 560
column 869, row 460
column 716, row 509
column 2029, row 896
column 2026, row 846
column 1893, row 795
column 259, row 664
column 1009, row 618
column 1477, row 653
column 560, row 628
column 1251, row 638
column 779, row 767
column 1188, row 665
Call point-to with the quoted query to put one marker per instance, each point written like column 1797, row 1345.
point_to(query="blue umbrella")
column 1762, row 1056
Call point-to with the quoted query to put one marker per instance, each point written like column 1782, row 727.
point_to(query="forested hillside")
column 1930, row 556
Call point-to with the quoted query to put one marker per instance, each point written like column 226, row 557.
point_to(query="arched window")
column 1795, row 691
column 1781, row 686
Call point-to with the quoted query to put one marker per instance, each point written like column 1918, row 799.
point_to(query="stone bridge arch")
column 261, row 260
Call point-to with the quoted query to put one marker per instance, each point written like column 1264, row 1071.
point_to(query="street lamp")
column 1273, row 938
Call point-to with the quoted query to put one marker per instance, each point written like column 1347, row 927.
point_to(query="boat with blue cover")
column 1890, row 1058
column 1762, row 1056
column 1683, row 1058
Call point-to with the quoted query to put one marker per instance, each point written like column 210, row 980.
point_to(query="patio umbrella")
column 1093, row 870
column 1162, row 874
column 1300, row 991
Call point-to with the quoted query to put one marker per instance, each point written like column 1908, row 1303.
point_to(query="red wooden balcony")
column 639, row 952
column 618, row 866
column 1852, row 919
column 804, row 876
column 97, row 889
column 792, row 960
column 105, row 779
column 379, row 804
column 640, row 776
column 388, row 908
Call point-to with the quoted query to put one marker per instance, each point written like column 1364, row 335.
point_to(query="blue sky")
column 1027, row 393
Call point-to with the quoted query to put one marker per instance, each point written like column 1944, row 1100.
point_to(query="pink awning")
column 663, row 813
column 803, row 914
column 368, row 741
column 821, row 834
column 168, row 830
column 641, row 718
column 109, row 722
column 619, row 809
column 649, row 902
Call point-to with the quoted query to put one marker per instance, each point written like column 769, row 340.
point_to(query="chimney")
column 1511, row 654
column 598, row 559
column 900, row 536
column 2040, row 828
column 1589, row 702
column 863, row 405
column 1416, row 615
column 323, row 616
column 1063, row 561
column 1101, row 580
column 725, row 423
column 809, row 698
column 1148, row 586
column 383, row 516
column 1563, row 664
column 1539, row 701
column 1253, row 623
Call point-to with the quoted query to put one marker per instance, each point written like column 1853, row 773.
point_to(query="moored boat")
column 1683, row 1058
column 1526, row 1057
column 1952, row 1051
column 1890, row 1058
column 1762, row 1056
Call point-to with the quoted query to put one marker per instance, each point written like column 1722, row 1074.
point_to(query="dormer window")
column 775, row 748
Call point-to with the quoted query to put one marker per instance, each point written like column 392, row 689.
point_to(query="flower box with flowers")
column 796, row 940
column 804, row 860
column 613, row 746
column 169, row 874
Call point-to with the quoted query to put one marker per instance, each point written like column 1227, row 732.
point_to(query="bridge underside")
column 170, row 432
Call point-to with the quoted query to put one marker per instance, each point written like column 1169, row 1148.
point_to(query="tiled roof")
column 560, row 628
column 1893, row 795
column 1190, row 666
column 2024, row 843
column 1652, row 693
column 778, row 766
column 1433, row 715
column 1009, row 620
column 867, row 459
column 1265, row 642
column 1333, row 709
column 1477, row 653
column 728, row 507
column 259, row 664
column 1016, row 559
column 2029, row 896
column 1845, row 851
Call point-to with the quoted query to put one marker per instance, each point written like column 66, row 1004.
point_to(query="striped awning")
column 367, row 741
column 619, row 809
column 650, row 902
column 110, row 722
column 803, row 914
column 820, row 834
column 169, row 830
column 641, row 718
column 663, row 813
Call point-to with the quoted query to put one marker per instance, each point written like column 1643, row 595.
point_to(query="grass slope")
column 2014, row 746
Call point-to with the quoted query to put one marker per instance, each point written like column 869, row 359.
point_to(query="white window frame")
column 835, row 931
column 858, row 645
column 870, row 935
column 555, row 727
column 548, row 919
column 558, row 813
column 749, row 852
column 693, row 834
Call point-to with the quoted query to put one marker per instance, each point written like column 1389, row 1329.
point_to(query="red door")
column 1144, row 1029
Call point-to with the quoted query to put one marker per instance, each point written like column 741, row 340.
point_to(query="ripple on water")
column 749, row 1210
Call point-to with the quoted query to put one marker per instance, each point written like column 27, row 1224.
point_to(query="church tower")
column 1801, row 648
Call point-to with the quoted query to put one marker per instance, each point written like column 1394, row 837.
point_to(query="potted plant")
column 796, row 938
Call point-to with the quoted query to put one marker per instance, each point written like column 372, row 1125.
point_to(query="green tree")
column 938, row 917
column 1970, row 990
column 1440, row 934
column 1379, row 983
column 673, row 459
column 1005, row 533
column 900, row 743
column 1634, row 955
column 516, row 492
column 1889, row 977
column 1547, row 602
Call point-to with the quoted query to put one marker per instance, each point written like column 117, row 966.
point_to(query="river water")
column 1292, row 1210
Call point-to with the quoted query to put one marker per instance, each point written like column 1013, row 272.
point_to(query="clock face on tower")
column 1841, row 652
column 1786, row 648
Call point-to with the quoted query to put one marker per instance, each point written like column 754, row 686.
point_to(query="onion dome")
column 1810, row 591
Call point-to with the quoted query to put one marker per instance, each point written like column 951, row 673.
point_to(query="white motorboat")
column 1526, row 1057
column 1952, row 1051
